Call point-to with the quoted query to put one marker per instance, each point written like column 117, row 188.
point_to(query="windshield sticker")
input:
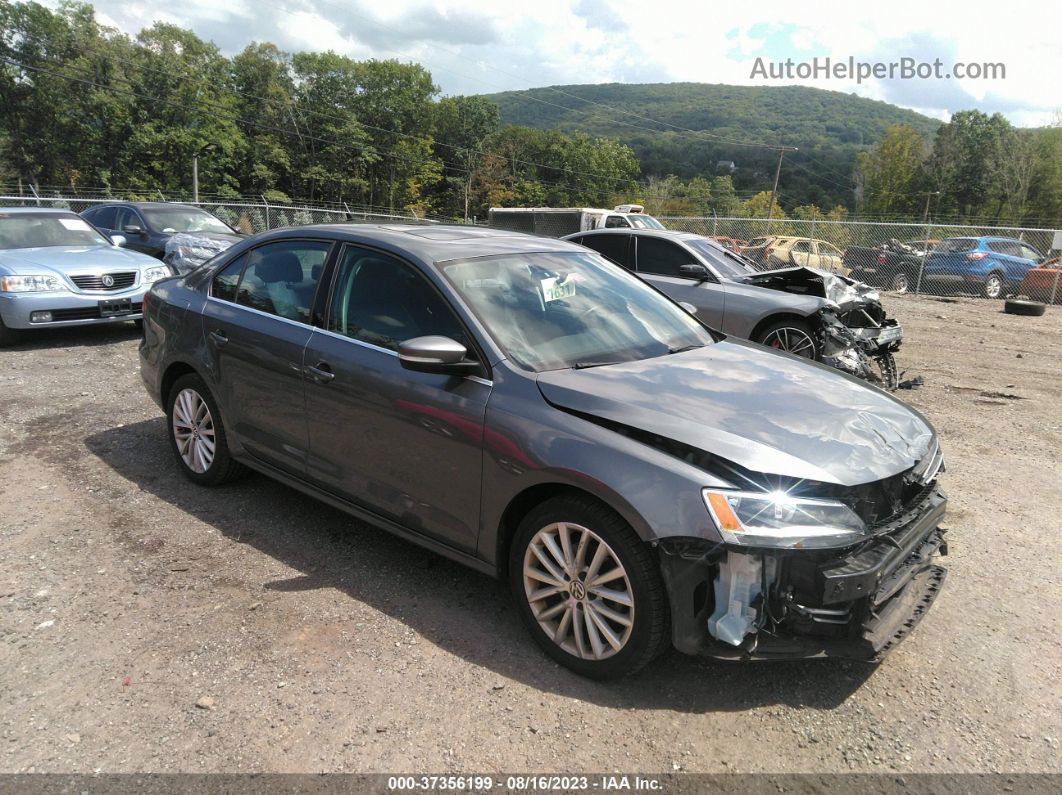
column 554, row 290
column 75, row 224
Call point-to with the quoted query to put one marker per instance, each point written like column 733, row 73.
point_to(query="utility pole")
column 777, row 173
column 929, row 195
column 195, row 171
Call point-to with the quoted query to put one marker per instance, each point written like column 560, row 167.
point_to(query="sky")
column 476, row 46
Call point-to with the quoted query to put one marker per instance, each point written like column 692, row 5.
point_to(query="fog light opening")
column 40, row 317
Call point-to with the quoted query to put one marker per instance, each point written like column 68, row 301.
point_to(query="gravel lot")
column 150, row 625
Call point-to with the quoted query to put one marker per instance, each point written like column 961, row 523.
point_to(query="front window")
column 41, row 230
column 172, row 220
column 725, row 262
column 558, row 310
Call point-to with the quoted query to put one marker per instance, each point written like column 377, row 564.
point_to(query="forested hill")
column 829, row 127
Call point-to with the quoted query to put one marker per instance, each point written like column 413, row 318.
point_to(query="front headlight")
column 154, row 273
column 780, row 520
column 30, row 284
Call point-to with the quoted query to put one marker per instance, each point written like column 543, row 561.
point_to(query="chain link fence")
column 246, row 217
column 941, row 259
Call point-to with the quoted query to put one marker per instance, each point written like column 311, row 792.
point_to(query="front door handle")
column 219, row 337
column 321, row 372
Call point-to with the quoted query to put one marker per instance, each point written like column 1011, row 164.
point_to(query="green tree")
column 462, row 126
column 889, row 174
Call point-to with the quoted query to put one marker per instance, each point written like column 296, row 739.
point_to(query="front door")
column 658, row 263
column 403, row 444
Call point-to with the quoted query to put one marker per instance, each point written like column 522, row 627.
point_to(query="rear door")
column 614, row 247
column 802, row 254
column 256, row 324
column 949, row 258
column 405, row 445
column 658, row 262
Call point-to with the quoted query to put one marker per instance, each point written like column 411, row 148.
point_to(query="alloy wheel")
column 900, row 283
column 993, row 287
column 791, row 340
column 193, row 430
column 578, row 591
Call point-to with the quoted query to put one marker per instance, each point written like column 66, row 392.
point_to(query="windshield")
column 171, row 220
column 556, row 310
column 39, row 230
column 644, row 222
column 726, row 263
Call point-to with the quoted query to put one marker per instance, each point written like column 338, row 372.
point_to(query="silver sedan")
column 56, row 269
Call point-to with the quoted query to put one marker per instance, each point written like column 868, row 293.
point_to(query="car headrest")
column 283, row 266
column 316, row 271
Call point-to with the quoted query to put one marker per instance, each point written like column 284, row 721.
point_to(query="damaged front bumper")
column 856, row 603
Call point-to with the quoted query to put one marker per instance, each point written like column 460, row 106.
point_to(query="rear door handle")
column 321, row 372
column 219, row 337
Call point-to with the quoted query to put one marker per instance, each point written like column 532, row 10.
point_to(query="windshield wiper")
column 685, row 348
column 584, row 365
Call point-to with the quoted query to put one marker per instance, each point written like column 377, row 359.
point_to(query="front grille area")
column 85, row 313
column 95, row 282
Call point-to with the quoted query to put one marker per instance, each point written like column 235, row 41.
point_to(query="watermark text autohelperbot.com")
column 905, row 68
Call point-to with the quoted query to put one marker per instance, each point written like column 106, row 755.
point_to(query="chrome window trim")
column 263, row 314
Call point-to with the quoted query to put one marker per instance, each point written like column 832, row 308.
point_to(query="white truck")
column 560, row 221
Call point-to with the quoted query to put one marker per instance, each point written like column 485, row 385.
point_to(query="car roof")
column 36, row 210
column 674, row 234
column 435, row 243
column 142, row 205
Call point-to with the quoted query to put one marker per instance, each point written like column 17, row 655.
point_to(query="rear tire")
column 197, row 434
column 900, row 283
column 1015, row 306
column 791, row 336
column 603, row 632
column 994, row 286
column 9, row 336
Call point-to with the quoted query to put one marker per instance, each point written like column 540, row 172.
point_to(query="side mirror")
column 118, row 240
column 133, row 229
column 436, row 354
column 695, row 270
column 688, row 307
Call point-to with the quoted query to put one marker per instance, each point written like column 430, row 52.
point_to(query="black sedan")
column 181, row 235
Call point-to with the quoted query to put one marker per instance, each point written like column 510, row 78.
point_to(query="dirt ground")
column 150, row 625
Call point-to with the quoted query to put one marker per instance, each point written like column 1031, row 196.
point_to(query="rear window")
column 956, row 244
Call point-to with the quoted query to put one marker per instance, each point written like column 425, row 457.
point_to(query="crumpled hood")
column 188, row 250
column 835, row 288
column 71, row 259
column 766, row 411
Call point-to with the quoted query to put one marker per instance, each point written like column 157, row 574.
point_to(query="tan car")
column 777, row 251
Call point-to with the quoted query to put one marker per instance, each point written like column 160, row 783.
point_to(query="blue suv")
column 991, row 266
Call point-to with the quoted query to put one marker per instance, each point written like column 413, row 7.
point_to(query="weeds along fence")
column 856, row 248
column 247, row 217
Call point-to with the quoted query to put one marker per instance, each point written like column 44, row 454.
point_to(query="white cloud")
column 474, row 46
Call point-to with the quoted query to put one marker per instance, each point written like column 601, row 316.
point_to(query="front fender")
column 529, row 443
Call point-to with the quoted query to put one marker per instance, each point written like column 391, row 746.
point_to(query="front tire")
column 588, row 589
column 791, row 336
column 9, row 336
column 197, row 435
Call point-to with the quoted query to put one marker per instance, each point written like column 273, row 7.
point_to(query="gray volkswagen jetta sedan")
column 526, row 407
